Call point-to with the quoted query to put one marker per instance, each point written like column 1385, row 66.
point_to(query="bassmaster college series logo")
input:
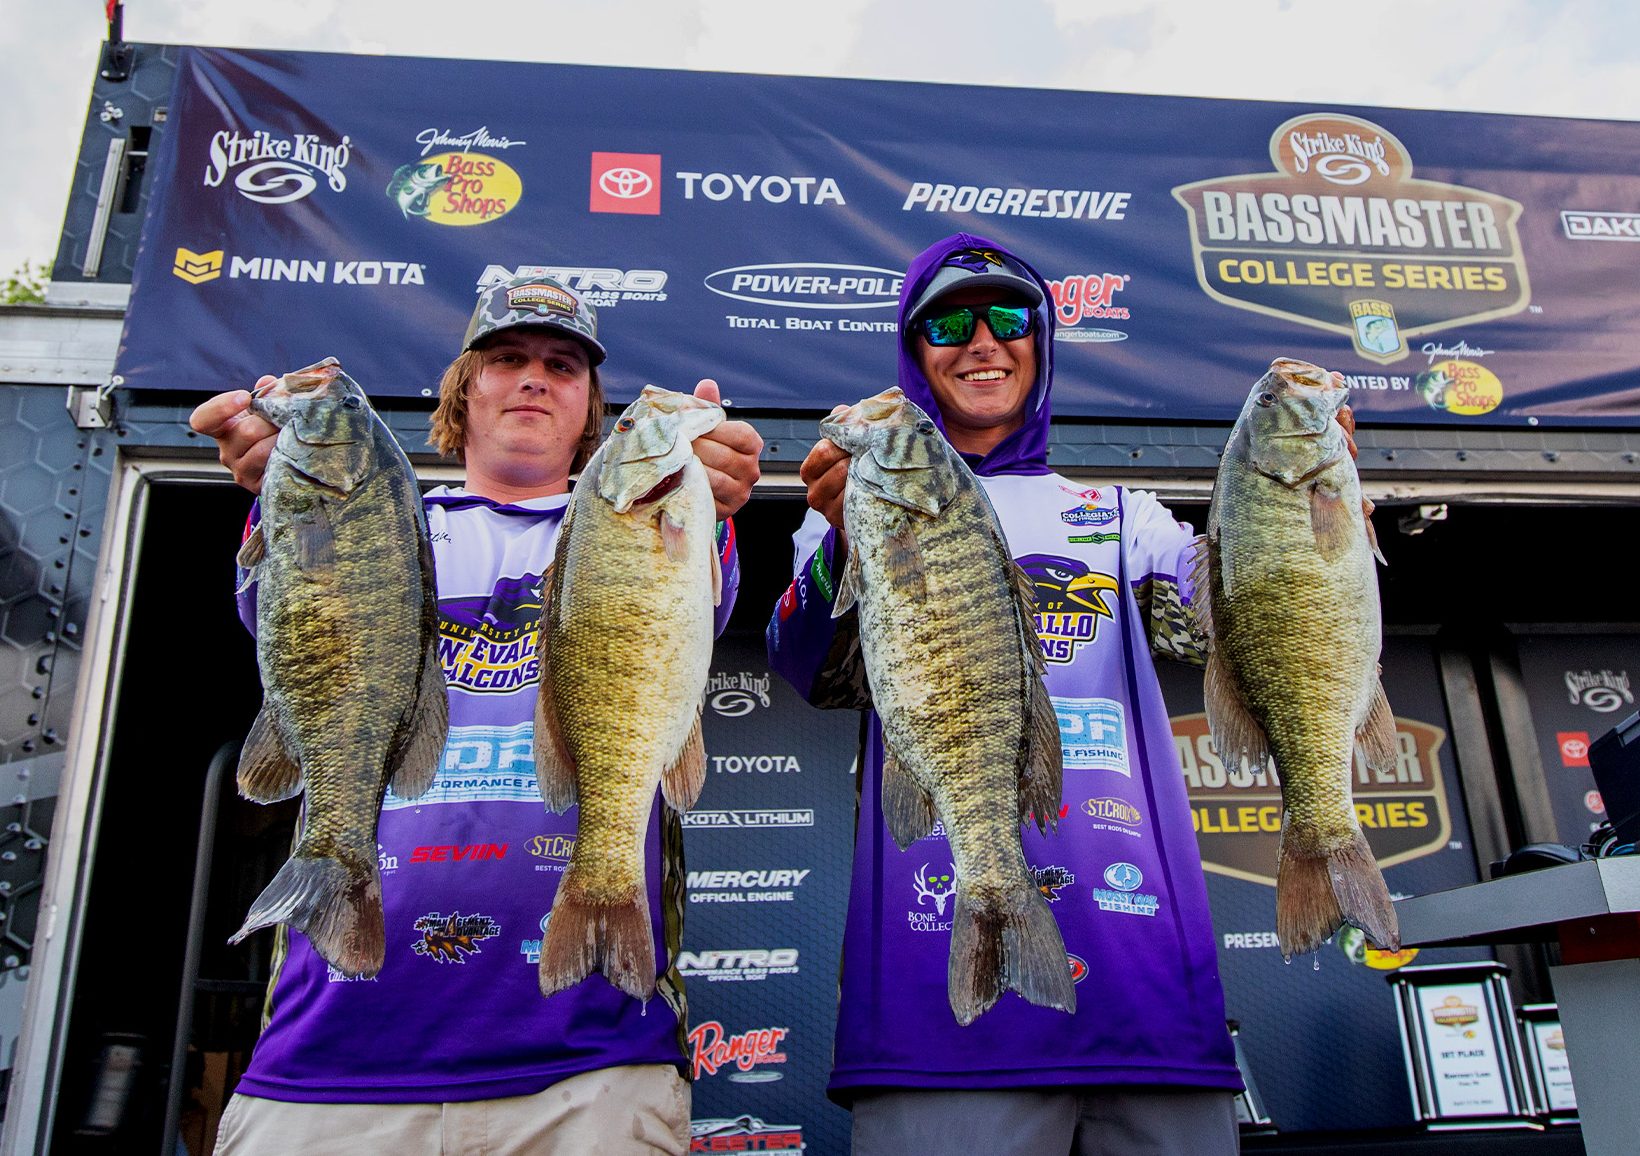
column 1340, row 236
column 462, row 187
column 1237, row 813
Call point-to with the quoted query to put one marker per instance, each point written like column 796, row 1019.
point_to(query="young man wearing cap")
column 451, row 1048
column 1145, row 1064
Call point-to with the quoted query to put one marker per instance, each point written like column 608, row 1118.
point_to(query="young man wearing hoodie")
column 1145, row 1064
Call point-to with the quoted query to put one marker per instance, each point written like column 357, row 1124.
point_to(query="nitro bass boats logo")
column 1342, row 237
column 458, row 185
column 1237, row 812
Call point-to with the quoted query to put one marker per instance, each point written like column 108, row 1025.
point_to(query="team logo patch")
column 450, row 939
column 1071, row 601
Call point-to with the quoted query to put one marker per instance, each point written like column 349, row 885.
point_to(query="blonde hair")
column 449, row 420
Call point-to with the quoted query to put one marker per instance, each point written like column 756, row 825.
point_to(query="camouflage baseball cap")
column 531, row 300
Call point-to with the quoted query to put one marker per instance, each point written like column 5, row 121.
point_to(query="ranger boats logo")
column 1340, row 236
column 713, row 1048
column 1237, row 813
column 276, row 170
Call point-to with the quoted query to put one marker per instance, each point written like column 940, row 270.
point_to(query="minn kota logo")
column 197, row 268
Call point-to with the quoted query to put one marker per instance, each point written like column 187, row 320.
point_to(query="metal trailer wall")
column 65, row 556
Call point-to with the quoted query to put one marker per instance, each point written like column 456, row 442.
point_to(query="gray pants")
column 1027, row 1122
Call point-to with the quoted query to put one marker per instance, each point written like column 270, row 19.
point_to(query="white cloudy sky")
column 1543, row 57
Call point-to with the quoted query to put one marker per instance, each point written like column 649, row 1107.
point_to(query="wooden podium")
column 1592, row 909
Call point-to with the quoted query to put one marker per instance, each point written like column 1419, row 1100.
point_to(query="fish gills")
column 955, row 667
column 347, row 625
column 1289, row 603
column 625, row 645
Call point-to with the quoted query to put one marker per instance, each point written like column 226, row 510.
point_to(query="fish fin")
column 681, row 783
column 337, row 904
column 1316, row 894
column 848, row 584
column 315, row 540
column 907, row 808
column 904, row 566
column 717, row 577
column 1237, row 736
column 252, row 550
column 584, row 936
column 426, row 730
column 1041, row 776
column 1019, row 950
column 1330, row 520
column 674, row 538
column 1372, row 535
column 554, row 765
column 1377, row 734
column 1201, row 581
column 267, row 773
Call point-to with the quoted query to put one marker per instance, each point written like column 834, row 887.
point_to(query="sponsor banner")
column 1456, row 268
column 1237, row 813
column 744, row 1133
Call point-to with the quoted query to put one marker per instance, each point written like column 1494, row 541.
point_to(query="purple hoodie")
column 1122, row 875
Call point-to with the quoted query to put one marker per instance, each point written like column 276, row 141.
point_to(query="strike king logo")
column 714, row 1048
column 450, row 939
column 1237, row 813
column 1603, row 690
column 1071, row 600
column 462, row 187
column 744, row 1134
column 738, row 693
column 1341, row 237
column 598, row 286
column 275, row 170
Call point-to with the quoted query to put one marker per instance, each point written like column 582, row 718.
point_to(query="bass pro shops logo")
column 1340, row 236
column 460, row 187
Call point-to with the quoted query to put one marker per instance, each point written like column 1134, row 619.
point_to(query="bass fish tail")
column 337, row 904
column 996, row 951
column 584, row 936
column 1315, row 894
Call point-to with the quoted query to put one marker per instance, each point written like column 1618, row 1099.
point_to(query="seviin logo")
column 276, row 170
column 801, row 285
column 1601, row 691
column 734, row 695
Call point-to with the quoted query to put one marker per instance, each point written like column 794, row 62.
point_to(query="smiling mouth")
column 981, row 375
column 529, row 409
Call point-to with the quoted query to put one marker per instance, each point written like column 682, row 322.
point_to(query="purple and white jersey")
column 1122, row 876
column 469, row 871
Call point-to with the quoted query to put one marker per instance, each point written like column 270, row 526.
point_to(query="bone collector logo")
column 1341, row 237
column 1237, row 813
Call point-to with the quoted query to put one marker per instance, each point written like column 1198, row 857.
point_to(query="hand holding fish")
column 825, row 472
column 244, row 440
column 729, row 453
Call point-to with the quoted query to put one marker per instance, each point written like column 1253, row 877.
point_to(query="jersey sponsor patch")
column 1092, row 734
column 481, row 764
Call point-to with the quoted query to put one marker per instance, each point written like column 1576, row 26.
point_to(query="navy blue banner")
column 1458, row 268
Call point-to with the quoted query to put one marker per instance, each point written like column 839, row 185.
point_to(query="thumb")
column 707, row 390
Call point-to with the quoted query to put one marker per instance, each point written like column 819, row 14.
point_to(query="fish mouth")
column 660, row 489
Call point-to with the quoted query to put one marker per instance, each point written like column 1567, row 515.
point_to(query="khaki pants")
column 631, row 1111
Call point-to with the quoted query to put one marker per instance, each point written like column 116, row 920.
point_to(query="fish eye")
column 1266, row 399
column 351, row 401
column 925, row 426
column 624, row 424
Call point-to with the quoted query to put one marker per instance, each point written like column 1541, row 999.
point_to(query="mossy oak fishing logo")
column 1340, row 236
column 1237, row 813
column 460, row 187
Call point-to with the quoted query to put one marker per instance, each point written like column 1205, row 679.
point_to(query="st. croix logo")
column 1340, row 236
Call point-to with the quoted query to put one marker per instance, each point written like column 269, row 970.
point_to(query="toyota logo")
column 626, row 184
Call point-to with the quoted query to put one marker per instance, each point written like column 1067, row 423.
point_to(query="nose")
column 983, row 341
column 534, row 377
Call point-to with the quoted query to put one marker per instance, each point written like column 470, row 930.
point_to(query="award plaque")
column 1250, row 1114
column 1461, row 1048
column 1553, row 1099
